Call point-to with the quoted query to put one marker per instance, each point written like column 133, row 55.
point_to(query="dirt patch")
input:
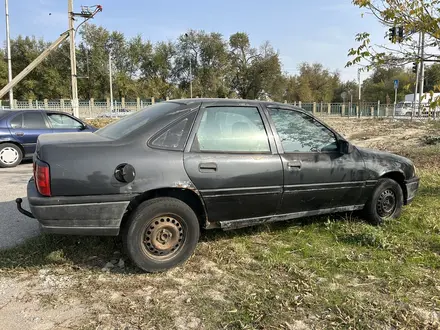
column 383, row 134
column 26, row 304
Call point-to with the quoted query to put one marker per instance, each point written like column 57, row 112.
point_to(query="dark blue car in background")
column 19, row 131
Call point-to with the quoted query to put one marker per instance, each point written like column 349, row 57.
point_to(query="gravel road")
column 15, row 227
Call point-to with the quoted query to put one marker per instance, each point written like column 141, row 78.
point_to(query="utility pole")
column 422, row 71
column 190, row 78
column 190, row 72
column 40, row 58
column 8, row 46
column 111, row 79
column 396, row 86
column 74, row 83
column 417, row 77
column 359, row 83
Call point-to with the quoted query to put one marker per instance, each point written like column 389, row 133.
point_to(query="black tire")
column 386, row 202
column 161, row 234
column 10, row 155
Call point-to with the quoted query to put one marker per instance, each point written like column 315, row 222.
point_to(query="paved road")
column 15, row 227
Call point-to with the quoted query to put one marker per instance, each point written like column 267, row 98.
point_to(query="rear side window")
column 17, row 121
column 33, row 120
column 174, row 137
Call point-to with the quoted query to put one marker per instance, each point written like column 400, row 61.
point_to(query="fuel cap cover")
column 125, row 173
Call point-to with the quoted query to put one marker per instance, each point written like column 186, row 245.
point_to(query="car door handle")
column 207, row 167
column 19, row 134
column 294, row 164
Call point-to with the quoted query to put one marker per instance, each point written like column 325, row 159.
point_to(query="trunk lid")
column 84, row 163
column 47, row 142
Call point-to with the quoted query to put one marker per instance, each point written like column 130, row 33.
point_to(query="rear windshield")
column 129, row 124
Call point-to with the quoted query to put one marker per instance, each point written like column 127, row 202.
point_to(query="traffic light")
column 392, row 34
column 400, row 33
column 414, row 68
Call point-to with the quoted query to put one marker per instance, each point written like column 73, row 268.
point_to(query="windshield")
column 128, row 124
column 403, row 104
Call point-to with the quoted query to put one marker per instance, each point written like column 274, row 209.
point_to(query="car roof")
column 236, row 101
column 6, row 112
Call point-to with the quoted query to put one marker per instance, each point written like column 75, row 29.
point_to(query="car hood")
column 382, row 162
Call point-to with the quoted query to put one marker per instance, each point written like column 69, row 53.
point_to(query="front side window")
column 301, row 133
column 63, row 121
column 33, row 120
column 231, row 129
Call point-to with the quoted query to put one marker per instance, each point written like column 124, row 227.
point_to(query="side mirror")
column 345, row 147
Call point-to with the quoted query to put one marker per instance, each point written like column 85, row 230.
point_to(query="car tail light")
column 42, row 178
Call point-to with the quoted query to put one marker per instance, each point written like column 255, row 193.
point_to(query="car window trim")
column 187, row 132
column 266, row 125
column 277, row 136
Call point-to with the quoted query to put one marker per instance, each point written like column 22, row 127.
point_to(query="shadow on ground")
column 15, row 228
column 87, row 252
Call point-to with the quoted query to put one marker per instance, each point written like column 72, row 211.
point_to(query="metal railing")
column 87, row 108
column 103, row 109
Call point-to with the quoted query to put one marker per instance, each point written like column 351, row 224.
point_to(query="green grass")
column 335, row 272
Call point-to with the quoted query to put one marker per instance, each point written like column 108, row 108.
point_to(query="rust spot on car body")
column 186, row 185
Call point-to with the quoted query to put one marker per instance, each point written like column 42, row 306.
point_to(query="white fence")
column 99, row 109
column 87, row 109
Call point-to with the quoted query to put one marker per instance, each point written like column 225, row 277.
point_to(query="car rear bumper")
column 412, row 185
column 77, row 215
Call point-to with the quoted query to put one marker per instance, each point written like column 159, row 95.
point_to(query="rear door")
column 26, row 127
column 317, row 176
column 61, row 123
column 233, row 162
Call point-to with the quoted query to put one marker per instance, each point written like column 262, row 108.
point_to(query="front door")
column 233, row 163
column 317, row 176
column 26, row 127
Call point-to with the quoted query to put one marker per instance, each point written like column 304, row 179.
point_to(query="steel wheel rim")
column 386, row 203
column 8, row 155
column 164, row 237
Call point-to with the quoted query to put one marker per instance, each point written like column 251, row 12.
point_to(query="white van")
column 404, row 108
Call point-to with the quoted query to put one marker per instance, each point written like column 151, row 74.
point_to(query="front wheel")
column 161, row 234
column 386, row 202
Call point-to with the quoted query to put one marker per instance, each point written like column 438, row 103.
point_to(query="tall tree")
column 253, row 71
column 317, row 83
column 432, row 78
column 380, row 86
column 220, row 68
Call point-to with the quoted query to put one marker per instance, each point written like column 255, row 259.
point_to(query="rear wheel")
column 161, row 234
column 386, row 202
column 10, row 155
